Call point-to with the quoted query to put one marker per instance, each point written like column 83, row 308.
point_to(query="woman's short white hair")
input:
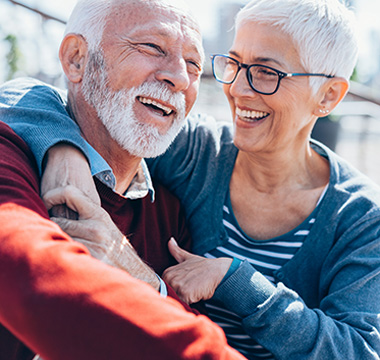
column 323, row 31
column 89, row 19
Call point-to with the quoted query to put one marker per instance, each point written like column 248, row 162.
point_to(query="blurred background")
column 31, row 31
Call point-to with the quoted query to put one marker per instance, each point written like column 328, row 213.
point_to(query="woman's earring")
column 322, row 111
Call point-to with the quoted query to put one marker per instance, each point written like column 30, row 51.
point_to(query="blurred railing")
column 37, row 11
column 364, row 93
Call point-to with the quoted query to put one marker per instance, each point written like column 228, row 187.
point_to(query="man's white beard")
column 115, row 110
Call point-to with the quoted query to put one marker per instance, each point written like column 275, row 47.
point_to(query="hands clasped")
column 96, row 230
column 195, row 278
column 94, row 227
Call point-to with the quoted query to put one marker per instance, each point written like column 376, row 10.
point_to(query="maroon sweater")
column 147, row 225
column 64, row 304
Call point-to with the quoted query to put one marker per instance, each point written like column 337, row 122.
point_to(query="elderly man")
column 133, row 71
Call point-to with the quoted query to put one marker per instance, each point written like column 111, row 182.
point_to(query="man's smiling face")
column 153, row 42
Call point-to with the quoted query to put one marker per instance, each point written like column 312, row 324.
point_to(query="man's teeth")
column 164, row 108
column 251, row 114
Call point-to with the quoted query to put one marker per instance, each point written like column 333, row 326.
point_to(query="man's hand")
column 66, row 165
column 94, row 225
column 195, row 278
column 96, row 230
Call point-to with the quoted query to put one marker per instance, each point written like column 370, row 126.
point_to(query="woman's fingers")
column 179, row 254
column 196, row 277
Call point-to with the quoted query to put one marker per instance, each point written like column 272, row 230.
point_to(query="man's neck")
column 124, row 171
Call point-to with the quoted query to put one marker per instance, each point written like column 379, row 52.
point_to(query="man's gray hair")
column 323, row 31
column 89, row 19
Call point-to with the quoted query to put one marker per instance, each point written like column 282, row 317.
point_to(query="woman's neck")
column 297, row 168
column 271, row 194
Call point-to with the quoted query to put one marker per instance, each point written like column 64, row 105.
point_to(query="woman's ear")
column 73, row 55
column 333, row 91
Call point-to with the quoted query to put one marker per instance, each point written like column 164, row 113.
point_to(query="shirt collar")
column 141, row 185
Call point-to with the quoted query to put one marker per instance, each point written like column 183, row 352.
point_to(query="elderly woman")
column 304, row 221
column 301, row 225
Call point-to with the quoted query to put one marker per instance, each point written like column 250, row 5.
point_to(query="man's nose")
column 175, row 74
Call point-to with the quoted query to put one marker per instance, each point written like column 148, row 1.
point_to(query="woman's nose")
column 241, row 87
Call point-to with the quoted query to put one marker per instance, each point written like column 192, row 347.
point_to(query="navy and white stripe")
column 266, row 257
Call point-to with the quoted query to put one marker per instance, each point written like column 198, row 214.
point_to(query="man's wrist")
column 123, row 256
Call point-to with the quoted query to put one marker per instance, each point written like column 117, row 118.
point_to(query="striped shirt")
column 265, row 257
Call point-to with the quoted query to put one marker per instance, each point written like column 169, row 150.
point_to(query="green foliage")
column 355, row 76
column 14, row 55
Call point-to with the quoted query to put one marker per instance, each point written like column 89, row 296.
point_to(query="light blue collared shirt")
column 140, row 186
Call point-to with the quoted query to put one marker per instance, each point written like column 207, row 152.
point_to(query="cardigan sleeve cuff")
column 233, row 267
column 244, row 290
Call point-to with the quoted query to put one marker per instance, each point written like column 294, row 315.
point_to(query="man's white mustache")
column 162, row 92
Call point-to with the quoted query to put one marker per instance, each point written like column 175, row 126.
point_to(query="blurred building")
column 227, row 14
column 221, row 42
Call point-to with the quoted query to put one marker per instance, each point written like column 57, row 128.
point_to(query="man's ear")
column 333, row 91
column 73, row 55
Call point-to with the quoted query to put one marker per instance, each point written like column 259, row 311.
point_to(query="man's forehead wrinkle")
column 165, row 29
column 182, row 14
column 135, row 11
column 168, row 21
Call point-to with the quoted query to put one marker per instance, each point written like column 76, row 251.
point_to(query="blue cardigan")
column 325, row 303
column 326, row 300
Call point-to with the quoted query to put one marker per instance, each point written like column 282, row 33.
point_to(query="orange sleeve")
column 64, row 304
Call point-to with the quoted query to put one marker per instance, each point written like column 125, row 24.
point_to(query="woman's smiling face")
column 269, row 122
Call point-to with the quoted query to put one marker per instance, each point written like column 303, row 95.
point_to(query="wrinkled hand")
column 96, row 230
column 195, row 278
column 94, row 226
column 66, row 165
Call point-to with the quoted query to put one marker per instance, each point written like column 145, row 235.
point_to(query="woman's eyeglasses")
column 261, row 78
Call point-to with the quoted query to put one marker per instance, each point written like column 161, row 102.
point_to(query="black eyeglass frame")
column 280, row 73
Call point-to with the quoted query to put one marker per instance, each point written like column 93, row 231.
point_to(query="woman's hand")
column 66, row 165
column 195, row 278
column 96, row 230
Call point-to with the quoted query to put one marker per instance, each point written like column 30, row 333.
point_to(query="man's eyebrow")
column 258, row 59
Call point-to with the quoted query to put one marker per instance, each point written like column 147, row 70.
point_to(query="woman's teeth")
column 251, row 115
